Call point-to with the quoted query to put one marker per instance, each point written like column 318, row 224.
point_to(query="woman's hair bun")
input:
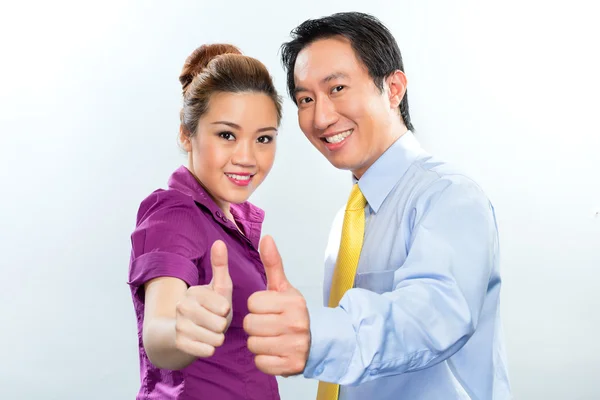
column 200, row 58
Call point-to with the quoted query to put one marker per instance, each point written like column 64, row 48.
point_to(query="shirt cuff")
column 159, row 263
column 333, row 342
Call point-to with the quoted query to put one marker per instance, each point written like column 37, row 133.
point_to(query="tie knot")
column 356, row 201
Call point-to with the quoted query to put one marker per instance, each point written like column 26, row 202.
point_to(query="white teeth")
column 339, row 137
column 239, row 177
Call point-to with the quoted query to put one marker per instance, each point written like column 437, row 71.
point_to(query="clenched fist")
column 205, row 312
column 278, row 322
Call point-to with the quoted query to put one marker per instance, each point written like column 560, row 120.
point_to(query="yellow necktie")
column 353, row 231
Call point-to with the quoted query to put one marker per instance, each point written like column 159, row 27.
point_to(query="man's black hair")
column 372, row 42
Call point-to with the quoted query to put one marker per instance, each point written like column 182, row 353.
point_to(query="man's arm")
column 434, row 307
column 431, row 313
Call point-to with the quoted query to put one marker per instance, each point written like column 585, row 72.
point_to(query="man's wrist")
column 309, row 345
column 332, row 344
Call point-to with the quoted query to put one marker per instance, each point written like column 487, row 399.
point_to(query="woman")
column 195, row 239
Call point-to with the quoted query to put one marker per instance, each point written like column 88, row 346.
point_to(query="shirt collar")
column 184, row 181
column 381, row 177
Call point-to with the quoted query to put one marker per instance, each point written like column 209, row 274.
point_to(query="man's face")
column 340, row 110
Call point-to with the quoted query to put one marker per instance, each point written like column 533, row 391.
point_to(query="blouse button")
column 219, row 214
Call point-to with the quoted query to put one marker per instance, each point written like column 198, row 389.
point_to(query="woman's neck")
column 225, row 206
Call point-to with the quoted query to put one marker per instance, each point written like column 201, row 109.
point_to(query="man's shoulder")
column 432, row 177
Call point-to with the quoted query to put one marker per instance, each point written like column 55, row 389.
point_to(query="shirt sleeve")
column 435, row 304
column 167, row 241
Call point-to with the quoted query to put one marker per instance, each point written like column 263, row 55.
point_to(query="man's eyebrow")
column 328, row 78
column 335, row 75
column 299, row 89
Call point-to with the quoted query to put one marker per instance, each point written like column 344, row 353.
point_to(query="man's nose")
column 325, row 114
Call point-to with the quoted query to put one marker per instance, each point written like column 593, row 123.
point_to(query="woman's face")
column 234, row 146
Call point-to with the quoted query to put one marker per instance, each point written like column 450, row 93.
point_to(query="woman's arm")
column 181, row 323
column 159, row 335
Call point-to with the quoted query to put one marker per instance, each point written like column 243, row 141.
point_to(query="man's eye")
column 337, row 89
column 305, row 100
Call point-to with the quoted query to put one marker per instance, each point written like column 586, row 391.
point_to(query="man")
column 412, row 277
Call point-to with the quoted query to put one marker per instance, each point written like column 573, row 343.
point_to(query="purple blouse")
column 174, row 232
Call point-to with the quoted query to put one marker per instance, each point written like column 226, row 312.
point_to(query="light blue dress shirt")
column 422, row 321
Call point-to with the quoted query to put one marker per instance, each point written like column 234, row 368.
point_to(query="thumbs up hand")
column 205, row 313
column 278, row 323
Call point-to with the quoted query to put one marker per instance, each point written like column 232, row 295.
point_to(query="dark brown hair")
column 220, row 68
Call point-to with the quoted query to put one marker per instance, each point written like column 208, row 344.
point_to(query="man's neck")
column 392, row 138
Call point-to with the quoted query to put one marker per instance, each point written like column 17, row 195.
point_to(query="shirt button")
column 319, row 370
column 219, row 214
column 224, row 218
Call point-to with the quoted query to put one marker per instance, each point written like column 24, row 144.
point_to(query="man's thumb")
column 271, row 259
column 221, row 281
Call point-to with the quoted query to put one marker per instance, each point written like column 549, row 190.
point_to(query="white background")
column 89, row 102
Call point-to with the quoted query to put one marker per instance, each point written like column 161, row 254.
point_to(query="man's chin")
column 340, row 159
column 341, row 163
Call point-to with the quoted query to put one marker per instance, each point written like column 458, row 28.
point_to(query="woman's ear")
column 185, row 139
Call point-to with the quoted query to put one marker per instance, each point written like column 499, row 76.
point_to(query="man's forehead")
column 323, row 58
column 302, row 66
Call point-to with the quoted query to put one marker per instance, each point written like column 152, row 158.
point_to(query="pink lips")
column 240, row 182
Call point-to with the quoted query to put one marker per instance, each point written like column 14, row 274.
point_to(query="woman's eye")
column 337, row 89
column 265, row 139
column 227, row 135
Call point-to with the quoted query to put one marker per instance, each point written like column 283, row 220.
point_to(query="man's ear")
column 396, row 85
column 185, row 139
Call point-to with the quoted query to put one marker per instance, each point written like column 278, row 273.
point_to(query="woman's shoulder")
column 167, row 201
